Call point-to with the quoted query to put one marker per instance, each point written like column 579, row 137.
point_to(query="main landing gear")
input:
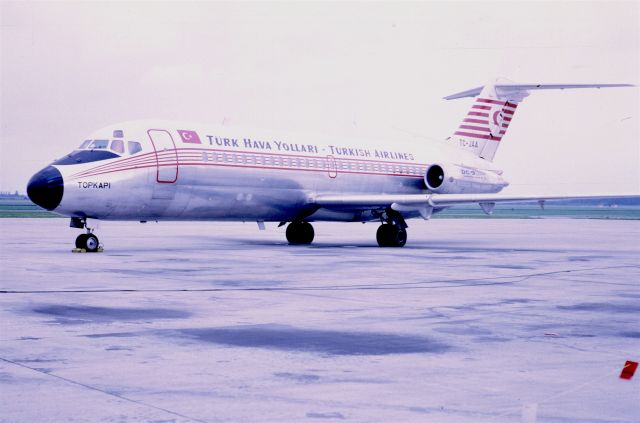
column 392, row 232
column 300, row 233
column 88, row 241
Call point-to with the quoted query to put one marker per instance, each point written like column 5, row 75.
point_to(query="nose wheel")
column 88, row 242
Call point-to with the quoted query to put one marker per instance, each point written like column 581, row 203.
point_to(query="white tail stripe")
column 471, row 131
column 477, row 136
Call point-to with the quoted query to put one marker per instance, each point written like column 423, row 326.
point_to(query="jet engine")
column 456, row 179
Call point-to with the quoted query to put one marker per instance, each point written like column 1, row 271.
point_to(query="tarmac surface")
column 473, row 321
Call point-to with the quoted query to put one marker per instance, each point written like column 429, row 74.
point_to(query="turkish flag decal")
column 190, row 137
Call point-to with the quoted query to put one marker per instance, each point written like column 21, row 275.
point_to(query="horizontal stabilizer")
column 503, row 90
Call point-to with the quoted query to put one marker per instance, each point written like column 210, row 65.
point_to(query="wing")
column 426, row 203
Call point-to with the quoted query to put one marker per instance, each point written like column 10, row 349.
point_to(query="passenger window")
column 117, row 146
column 99, row 144
column 134, row 147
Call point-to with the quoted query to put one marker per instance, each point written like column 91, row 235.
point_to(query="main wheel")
column 300, row 233
column 391, row 236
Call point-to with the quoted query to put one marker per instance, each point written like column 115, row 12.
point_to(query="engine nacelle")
column 456, row 179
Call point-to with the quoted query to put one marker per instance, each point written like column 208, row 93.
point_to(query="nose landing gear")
column 88, row 241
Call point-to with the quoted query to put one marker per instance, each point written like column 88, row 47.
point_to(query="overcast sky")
column 355, row 69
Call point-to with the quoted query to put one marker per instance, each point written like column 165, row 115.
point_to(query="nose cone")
column 46, row 187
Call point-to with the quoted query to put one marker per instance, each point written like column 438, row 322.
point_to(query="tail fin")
column 488, row 119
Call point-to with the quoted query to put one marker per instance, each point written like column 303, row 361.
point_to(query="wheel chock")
column 82, row 250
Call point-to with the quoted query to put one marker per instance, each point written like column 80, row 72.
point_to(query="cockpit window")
column 99, row 144
column 134, row 147
column 117, row 146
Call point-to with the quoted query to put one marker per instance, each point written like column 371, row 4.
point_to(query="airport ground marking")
column 93, row 388
column 452, row 283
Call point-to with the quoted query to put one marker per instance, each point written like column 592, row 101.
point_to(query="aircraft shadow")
column 288, row 338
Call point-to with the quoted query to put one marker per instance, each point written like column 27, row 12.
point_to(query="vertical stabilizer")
column 487, row 121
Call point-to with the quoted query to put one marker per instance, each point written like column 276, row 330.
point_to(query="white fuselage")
column 236, row 174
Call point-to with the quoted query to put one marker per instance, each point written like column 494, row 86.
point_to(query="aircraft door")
column 332, row 168
column 166, row 155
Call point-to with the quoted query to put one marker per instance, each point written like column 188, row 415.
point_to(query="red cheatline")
column 478, row 114
column 629, row 370
column 477, row 106
column 474, row 128
column 490, row 101
column 485, row 122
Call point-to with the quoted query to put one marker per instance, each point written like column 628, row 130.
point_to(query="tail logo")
column 495, row 124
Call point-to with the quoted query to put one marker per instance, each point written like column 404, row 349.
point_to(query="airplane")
column 159, row 170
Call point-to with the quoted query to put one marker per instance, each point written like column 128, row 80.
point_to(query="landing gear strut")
column 300, row 233
column 87, row 241
column 392, row 232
